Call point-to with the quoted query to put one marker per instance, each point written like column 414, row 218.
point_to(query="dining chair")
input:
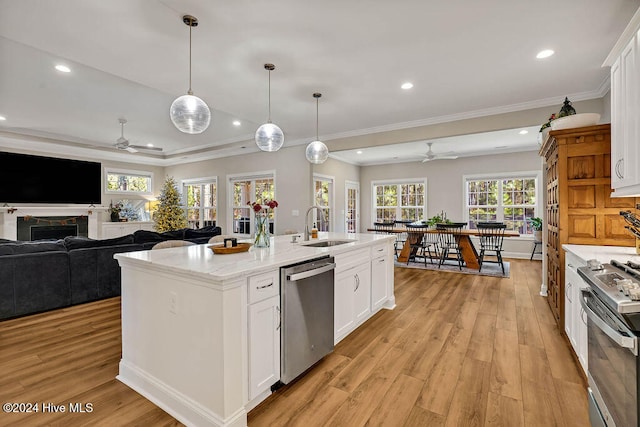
column 491, row 237
column 416, row 240
column 449, row 241
column 401, row 238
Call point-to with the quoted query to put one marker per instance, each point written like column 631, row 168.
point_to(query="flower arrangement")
column 262, row 221
column 115, row 209
column 536, row 223
column 257, row 207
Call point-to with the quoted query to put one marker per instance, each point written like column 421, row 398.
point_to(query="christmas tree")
column 170, row 215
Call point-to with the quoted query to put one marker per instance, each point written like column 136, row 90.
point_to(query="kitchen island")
column 201, row 331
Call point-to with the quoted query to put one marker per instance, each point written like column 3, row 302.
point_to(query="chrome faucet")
column 306, row 222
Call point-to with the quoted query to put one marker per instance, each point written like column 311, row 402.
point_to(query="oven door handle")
column 629, row 342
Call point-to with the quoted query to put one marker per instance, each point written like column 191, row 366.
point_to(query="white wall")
column 293, row 182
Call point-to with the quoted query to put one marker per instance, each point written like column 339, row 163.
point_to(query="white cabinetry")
column 263, row 332
column 111, row 230
column 624, row 60
column 352, row 291
column 575, row 320
column 381, row 275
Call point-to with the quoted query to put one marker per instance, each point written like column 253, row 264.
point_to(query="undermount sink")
column 328, row 243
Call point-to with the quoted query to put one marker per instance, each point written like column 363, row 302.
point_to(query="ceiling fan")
column 430, row 155
column 122, row 143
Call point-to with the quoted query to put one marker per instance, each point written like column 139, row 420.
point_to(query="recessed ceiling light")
column 523, row 132
column 236, row 123
column 407, row 85
column 63, row 68
column 149, row 145
column 2, row 118
column 359, row 152
column 544, row 53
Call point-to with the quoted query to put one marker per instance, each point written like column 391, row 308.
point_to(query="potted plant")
column 536, row 225
column 114, row 211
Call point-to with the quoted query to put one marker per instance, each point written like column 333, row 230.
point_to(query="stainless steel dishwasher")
column 306, row 293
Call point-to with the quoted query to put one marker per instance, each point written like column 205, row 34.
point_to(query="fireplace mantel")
column 9, row 215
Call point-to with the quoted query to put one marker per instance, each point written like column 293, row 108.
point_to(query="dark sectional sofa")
column 44, row 275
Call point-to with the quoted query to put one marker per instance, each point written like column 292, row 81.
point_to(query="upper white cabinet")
column 624, row 61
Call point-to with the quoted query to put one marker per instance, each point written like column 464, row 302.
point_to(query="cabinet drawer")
column 349, row 259
column 264, row 286
column 573, row 261
column 381, row 249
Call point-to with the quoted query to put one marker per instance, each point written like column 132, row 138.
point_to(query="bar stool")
column 535, row 245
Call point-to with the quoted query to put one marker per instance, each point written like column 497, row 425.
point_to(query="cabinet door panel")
column 264, row 345
column 379, row 292
column 362, row 292
column 344, row 304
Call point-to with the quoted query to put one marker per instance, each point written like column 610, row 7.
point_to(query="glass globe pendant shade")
column 317, row 152
column 190, row 114
column 269, row 137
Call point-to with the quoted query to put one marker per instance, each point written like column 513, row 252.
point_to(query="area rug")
column 488, row 269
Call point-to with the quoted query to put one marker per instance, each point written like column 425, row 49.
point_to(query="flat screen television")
column 35, row 179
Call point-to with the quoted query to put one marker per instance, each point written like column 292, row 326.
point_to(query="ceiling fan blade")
column 144, row 147
column 131, row 149
column 447, row 157
column 426, row 160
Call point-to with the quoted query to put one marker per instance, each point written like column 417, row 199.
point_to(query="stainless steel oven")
column 613, row 327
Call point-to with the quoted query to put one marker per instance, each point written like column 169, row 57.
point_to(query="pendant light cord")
column 317, row 137
column 269, row 96
column 190, row 92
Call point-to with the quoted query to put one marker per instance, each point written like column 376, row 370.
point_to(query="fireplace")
column 51, row 227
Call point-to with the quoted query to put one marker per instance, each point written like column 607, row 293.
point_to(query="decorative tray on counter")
column 221, row 249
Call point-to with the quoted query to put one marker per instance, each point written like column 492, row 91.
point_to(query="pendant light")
column 269, row 136
column 317, row 152
column 189, row 113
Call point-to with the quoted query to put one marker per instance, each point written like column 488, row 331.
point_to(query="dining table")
column 469, row 252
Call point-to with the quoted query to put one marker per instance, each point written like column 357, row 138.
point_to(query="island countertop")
column 200, row 261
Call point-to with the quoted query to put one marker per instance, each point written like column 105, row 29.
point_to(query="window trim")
column 251, row 176
column 536, row 174
column 199, row 181
column 332, row 197
column 422, row 180
column 108, row 171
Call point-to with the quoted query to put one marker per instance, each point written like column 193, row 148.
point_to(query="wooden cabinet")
column 579, row 208
column 575, row 320
column 111, row 230
column 625, row 110
column 263, row 333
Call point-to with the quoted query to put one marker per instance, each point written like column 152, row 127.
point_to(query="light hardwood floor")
column 458, row 350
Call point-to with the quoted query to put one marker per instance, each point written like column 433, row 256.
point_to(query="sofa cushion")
column 207, row 232
column 6, row 249
column 36, row 247
column 74, row 242
column 144, row 236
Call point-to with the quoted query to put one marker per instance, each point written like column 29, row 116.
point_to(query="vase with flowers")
column 261, row 212
column 114, row 211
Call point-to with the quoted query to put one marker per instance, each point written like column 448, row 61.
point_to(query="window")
column 352, row 203
column 131, row 182
column 508, row 199
column 250, row 189
column 323, row 198
column 399, row 201
column 201, row 201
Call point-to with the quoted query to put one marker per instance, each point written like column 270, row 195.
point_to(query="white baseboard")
column 179, row 406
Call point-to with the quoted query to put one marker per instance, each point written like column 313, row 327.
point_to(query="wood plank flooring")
column 458, row 350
